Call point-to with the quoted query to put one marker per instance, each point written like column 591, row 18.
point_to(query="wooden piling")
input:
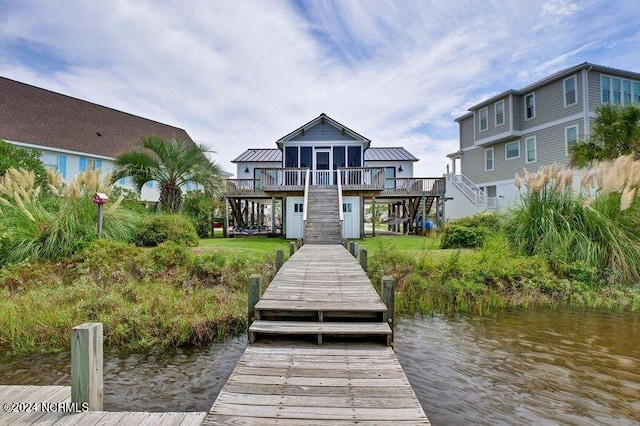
column 279, row 259
column 388, row 298
column 345, row 243
column 352, row 247
column 355, row 249
column 363, row 259
column 292, row 248
column 86, row 366
column 298, row 243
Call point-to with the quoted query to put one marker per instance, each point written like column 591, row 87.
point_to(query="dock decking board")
column 62, row 394
column 292, row 383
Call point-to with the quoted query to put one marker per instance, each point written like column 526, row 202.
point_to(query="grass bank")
column 148, row 299
column 480, row 281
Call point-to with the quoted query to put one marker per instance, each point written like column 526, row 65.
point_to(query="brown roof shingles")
column 32, row 115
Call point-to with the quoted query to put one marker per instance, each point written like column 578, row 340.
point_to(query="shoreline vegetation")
column 153, row 299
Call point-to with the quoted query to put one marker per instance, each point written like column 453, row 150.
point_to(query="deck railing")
column 350, row 179
column 340, row 208
column 362, row 178
column 305, row 202
column 468, row 188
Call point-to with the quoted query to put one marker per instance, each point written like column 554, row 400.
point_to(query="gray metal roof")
column 260, row 155
column 388, row 154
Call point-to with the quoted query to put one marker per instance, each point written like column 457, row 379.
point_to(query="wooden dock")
column 335, row 377
column 49, row 406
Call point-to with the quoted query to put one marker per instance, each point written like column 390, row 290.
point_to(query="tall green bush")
column 166, row 227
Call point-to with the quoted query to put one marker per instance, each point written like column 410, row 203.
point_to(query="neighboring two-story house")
column 324, row 153
column 74, row 135
column 528, row 128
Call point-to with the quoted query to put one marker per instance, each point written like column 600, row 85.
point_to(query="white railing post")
column 340, row 212
column 305, row 202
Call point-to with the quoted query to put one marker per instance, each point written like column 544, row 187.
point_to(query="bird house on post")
column 100, row 199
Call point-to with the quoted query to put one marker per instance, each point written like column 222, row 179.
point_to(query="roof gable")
column 321, row 128
column 36, row 116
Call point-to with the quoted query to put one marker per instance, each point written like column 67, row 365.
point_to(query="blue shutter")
column 62, row 166
column 98, row 164
column 83, row 164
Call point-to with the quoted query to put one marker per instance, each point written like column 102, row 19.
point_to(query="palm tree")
column 172, row 165
column 615, row 132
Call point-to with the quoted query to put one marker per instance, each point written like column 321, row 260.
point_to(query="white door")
column 322, row 167
column 351, row 215
column 294, row 217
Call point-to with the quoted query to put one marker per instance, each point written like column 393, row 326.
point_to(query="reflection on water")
column 524, row 367
column 184, row 380
column 519, row 367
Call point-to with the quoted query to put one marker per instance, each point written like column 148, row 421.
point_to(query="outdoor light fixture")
column 400, row 168
column 246, row 169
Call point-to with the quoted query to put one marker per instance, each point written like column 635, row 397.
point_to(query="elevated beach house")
column 73, row 135
column 317, row 180
column 528, row 128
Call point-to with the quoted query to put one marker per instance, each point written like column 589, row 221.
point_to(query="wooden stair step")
column 319, row 329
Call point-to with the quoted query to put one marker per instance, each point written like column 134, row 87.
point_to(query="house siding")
column 549, row 103
column 594, row 90
column 492, row 129
column 518, row 114
column 323, row 132
column 466, row 132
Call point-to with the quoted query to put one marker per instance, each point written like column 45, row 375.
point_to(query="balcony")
column 352, row 179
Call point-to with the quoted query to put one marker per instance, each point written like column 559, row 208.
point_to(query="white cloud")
column 242, row 74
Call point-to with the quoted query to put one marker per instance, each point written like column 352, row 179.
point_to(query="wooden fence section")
column 337, row 384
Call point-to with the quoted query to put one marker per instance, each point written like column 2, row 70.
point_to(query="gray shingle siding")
column 323, row 132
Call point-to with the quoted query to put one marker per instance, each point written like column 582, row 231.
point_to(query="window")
column 570, row 138
column 55, row 162
column 530, row 146
column 355, row 156
column 615, row 82
column 306, row 157
column 298, row 207
column 512, row 150
column 347, row 207
column 390, row 178
column 570, row 97
column 484, row 119
column 606, row 89
column 529, row 106
column 626, row 92
column 89, row 164
column 618, row 91
column 150, row 185
column 291, row 156
column 499, row 111
column 488, row 159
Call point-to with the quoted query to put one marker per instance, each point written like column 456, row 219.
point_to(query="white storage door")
column 294, row 217
column 351, row 212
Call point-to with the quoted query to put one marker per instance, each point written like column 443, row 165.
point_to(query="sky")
column 242, row 74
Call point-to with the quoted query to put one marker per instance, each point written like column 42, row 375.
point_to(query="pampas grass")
column 597, row 224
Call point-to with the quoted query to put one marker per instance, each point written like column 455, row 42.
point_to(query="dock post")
column 298, row 243
column 255, row 291
column 292, row 248
column 345, row 243
column 388, row 287
column 86, row 366
column 355, row 249
column 352, row 247
column 363, row 259
column 279, row 259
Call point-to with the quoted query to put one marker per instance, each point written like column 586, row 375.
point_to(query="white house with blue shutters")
column 74, row 135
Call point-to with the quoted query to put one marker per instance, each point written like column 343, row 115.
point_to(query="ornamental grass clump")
column 596, row 225
column 35, row 225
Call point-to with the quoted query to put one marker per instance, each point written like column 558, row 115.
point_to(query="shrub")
column 171, row 254
column 199, row 208
column 166, row 227
column 12, row 156
column 460, row 236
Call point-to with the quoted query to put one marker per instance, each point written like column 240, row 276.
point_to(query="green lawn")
column 254, row 244
column 402, row 242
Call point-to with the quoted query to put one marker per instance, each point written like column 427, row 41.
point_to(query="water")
column 519, row 367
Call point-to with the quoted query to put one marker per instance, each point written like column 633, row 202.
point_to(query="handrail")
column 340, row 212
column 468, row 188
column 306, row 197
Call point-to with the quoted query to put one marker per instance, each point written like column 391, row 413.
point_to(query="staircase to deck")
column 321, row 292
column 323, row 225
